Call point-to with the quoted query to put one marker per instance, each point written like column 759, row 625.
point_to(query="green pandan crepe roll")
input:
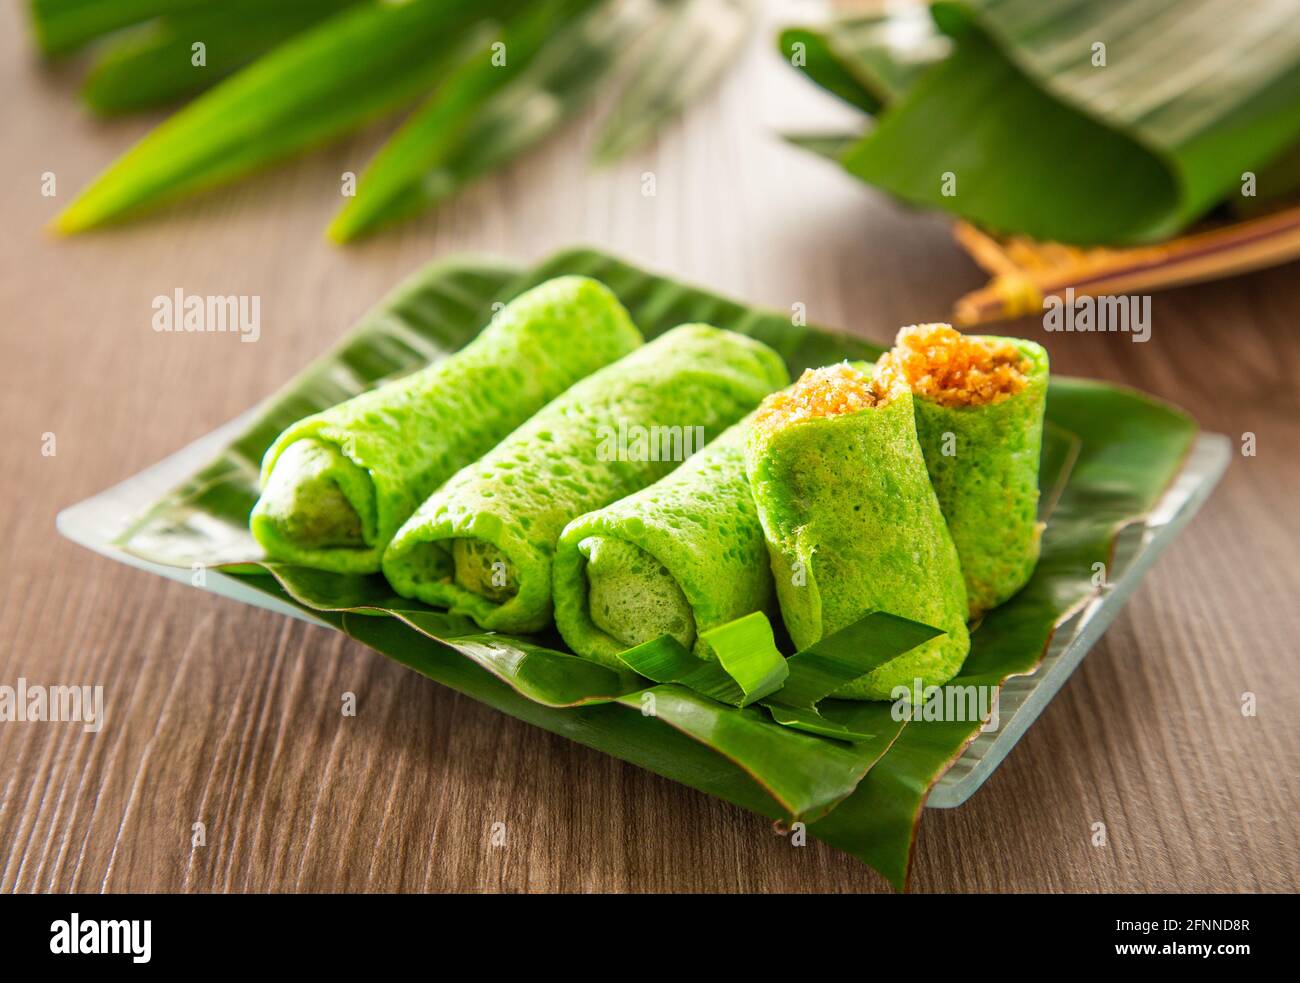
column 483, row 543
column 852, row 523
column 337, row 485
column 979, row 414
column 680, row 557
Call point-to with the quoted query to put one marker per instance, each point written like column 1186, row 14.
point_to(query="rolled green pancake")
column 979, row 404
column 852, row 523
column 337, row 485
column 680, row 557
column 482, row 544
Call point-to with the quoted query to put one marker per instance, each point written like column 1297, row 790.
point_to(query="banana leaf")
column 868, row 60
column 1192, row 93
column 152, row 66
column 863, row 794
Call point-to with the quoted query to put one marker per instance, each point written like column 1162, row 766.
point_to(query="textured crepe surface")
column 853, row 526
column 631, row 596
column 410, row 435
column 697, row 528
column 988, row 486
column 559, row 465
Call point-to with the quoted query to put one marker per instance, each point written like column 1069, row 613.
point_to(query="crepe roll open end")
column 940, row 364
column 631, row 596
column 833, row 390
column 678, row 557
column 316, row 499
column 851, row 522
column 980, row 402
column 483, row 569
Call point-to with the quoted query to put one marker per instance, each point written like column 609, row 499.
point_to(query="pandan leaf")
column 490, row 110
column 748, row 664
column 819, row 670
column 665, row 660
column 155, row 66
column 316, row 87
column 61, row 26
column 682, row 55
column 751, row 669
column 870, row 642
column 746, row 650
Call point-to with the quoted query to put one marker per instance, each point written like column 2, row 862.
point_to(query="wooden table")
column 229, row 716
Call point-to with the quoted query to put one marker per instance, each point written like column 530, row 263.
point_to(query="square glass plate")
column 98, row 521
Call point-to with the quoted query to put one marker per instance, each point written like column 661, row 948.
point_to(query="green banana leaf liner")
column 862, row 793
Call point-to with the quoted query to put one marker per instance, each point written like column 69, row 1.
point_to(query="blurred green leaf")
column 681, row 55
column 61, row 26
column 1060, row 97
column 500, row 75
column 316, row 87
column 154, row 66
column 868, row 60
column 516, row 88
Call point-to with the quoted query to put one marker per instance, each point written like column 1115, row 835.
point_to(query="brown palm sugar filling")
column 833, row 390
column 952, row 369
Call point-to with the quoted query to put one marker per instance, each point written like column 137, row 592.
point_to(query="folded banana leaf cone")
column 1102, row 147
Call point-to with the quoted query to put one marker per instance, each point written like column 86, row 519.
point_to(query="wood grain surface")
column 226, row 715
